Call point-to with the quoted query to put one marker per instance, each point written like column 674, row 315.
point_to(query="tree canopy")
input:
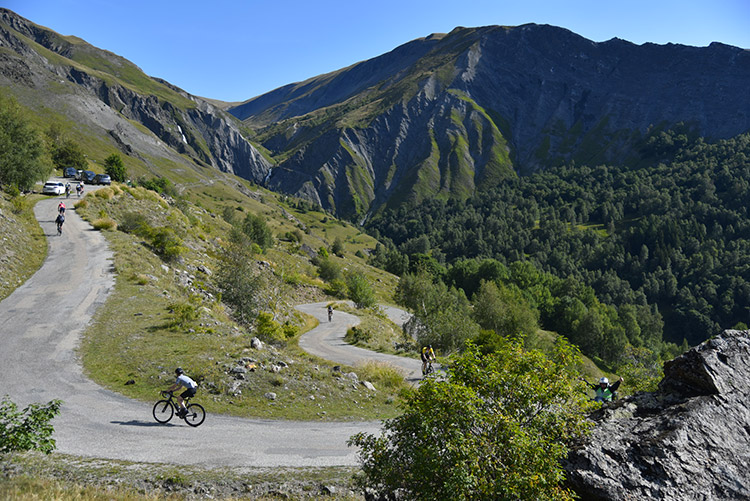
column 638, row 254
column 494, row 428
column 23, row 153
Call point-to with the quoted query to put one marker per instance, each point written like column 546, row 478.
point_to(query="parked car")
column 87, row 176
column 70, row 172
column 102, row 179
column 53, row 188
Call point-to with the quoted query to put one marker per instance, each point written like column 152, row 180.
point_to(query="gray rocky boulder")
column 688, row 440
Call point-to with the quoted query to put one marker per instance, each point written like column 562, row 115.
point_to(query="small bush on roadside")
column 29, row 429
column 105, row 193
column 135, row 223
column 105, row 223
column 19, row 204
column 384, row 374
column 357, row 335
column 81, row 204
column 268, row 328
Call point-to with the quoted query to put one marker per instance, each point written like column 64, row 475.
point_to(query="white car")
column 53, row 188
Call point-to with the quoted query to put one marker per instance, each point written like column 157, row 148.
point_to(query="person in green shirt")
column 604, row 391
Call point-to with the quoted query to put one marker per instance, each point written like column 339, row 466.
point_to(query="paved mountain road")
column 40, row 326
column 327, row 340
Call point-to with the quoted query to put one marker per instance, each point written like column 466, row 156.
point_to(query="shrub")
column 183, row 313
column 356, row 335
column 114, row 166
column 360, row 291
column 81, row 204
column 328, row 269
column 134, row 222
column 140, row 279
column 268, row 328
column 336, row 288
column 105, row 223
column 166, row 243
column 29, row 429
column 338, row 247
column 383, row 374
column 495, row 428
column 19, row 204
column 105, row 193
column 289, row 329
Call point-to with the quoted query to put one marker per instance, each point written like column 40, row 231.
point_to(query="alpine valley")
column 516, row 184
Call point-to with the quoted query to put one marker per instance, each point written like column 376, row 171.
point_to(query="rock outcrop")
column 688, row 440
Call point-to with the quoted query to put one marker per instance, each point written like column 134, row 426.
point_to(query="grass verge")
column 34, row 476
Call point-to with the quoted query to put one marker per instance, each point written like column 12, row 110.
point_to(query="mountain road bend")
column 40, row 327
column 327, row 340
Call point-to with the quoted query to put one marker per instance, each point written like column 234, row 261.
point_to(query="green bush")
column 159, row 185
column 166, row 243
column 360, row 290
column 19, row 204
column 356, row 335
column 336, row 288
column 183, row 313
column 328, row 269
column 114, row 166
column 268, row 329
column 495, row 427
column 135, row 223
column 29, row 429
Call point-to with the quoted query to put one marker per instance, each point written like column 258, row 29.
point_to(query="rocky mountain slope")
column 443, row 116
column 106, row 96
column 449, row 114
column 689, row 440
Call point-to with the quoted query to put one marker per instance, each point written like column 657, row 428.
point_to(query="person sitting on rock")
column 604, row 390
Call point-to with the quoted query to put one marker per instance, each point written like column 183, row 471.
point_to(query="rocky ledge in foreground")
column 688, row 440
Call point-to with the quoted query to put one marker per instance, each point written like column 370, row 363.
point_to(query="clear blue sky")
column 235, row 50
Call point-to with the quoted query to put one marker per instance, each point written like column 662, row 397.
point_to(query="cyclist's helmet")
column 179, row 371
column 604, row 381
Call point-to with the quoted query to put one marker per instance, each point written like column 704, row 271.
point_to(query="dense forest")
column 665, row 247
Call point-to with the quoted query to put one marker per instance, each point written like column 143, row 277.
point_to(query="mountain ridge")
column 444, row 116
column 553, row 96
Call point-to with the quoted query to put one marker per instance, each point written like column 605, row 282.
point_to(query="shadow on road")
column 134, row 422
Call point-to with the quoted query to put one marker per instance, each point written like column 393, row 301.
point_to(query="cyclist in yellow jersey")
column 428, row 355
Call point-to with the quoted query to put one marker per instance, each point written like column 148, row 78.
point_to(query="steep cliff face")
column 447, row 115
column 110, row 94
column 688, row 440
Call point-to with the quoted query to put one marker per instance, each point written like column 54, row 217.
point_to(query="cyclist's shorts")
column 190, row 392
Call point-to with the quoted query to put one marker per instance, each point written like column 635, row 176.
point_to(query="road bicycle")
column 165, row 409
column 59, row 229
column 428, row 369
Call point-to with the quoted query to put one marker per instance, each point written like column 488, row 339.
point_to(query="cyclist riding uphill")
column 190, row 388
column 428, row 355
column 604, row 390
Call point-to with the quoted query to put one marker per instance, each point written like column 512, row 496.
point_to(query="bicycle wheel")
column 163, row 411
column 195, row 415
